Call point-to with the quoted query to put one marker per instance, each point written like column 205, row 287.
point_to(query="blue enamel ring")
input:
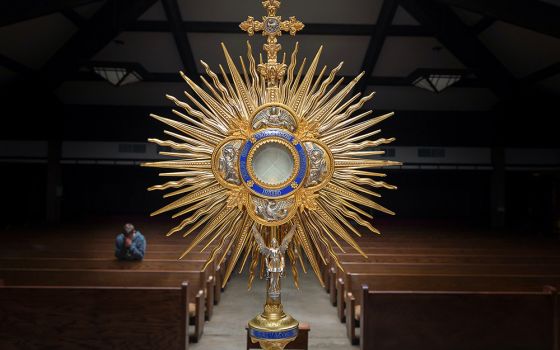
column 292, row 146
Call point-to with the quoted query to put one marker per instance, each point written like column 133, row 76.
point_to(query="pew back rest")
column 458, row 320
column 104, row 278
column 101, row 264
column 427, row 282
column 94, row 254
column 549, row 270
column 449, row 259
column 84, row 317
column 453, row 268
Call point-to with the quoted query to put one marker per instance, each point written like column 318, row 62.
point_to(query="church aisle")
column 310, row 304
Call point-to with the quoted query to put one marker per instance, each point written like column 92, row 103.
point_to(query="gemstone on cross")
column 271, row 26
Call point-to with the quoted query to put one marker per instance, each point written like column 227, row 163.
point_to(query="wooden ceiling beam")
column 530, row 14
column 22, row 10
column 459, row 39
column 93, row 36
column 184, row 50
column 378, row 36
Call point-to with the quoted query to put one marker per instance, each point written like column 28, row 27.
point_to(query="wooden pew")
column 430, row 268
column 477, row 239
column 97, row 241
column 426, row 282
column 101, row 264
column 456, row 250
column 86, row 254
column 122, row 278
column 331, row 269
column 172, row 252
column 381, row 259
column 113, row 264
column 104, row 260
column 540, row 252
column 85, row 244
column 92, row 318
column 458, row 320
column 450, row 258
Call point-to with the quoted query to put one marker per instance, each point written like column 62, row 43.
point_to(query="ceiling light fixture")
column 436, row 80
column 118, row 75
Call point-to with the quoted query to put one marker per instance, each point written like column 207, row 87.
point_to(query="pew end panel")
column 185, row 317
column 340, row 299
column 332, row 286
column 325, row 268
column 218, row 285
column 209, row 289
column 196, row 315
column 351, row 322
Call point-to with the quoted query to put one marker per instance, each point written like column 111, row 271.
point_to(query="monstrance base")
column 273, row 329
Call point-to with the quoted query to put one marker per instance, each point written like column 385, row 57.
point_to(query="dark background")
column 71, row 143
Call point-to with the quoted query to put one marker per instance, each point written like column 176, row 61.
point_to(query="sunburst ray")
column 221, row 210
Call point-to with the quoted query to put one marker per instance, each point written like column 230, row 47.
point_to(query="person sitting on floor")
column 130, row 245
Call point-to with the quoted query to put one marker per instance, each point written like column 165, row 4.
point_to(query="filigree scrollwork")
column 238, row 197
column 272, row 72
column 292, row 26
column 251, row 26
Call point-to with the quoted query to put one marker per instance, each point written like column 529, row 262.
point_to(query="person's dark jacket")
column 135, row 251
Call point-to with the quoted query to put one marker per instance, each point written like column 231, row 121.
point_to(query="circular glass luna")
column 273, row 163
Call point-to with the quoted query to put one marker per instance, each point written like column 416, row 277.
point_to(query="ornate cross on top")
column 272, row 26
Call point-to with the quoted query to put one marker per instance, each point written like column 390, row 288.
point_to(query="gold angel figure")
column 274, row 258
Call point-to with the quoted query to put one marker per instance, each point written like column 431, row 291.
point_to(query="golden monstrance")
column 269, row 162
